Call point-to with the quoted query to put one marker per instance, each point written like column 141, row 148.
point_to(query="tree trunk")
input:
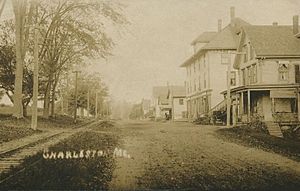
column 18, row 97
column 47, row 100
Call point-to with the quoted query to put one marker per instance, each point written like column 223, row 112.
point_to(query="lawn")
column 284, row 146
column 12, row 128
column 86, row 173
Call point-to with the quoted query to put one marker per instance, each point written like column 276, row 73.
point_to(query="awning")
column 282, row 94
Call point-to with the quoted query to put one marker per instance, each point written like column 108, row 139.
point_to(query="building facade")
column 206, row 69
column 269, row 74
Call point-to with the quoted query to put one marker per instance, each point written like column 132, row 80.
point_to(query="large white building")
column 206, row 75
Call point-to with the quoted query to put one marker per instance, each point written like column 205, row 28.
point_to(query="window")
column 225, row 59
column 243, row 77
column 244, row 50
column 199, row 87
column 180, row 101
column 249, row 75
column 194, row 67
column 251, row 52
column 297, row 74
column 233, row 79
column 254, row 73
column 204, row 76
column 283, row 72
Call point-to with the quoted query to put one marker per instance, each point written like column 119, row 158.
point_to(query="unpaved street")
column 180, row 155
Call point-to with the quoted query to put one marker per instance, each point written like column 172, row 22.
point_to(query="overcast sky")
column 160, row 35
column 158, row 39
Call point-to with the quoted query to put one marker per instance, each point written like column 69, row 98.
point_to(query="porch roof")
column 261, row 87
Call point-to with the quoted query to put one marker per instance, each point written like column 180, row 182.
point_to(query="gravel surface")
column 187, row 157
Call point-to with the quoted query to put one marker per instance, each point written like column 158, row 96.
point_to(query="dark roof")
column 226, row 39
column 204, row 37
column 160, row 91
column 273, row 40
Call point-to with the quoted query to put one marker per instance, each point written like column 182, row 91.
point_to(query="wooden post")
column 76, row 92
column 234, row 104
column 34, row 115
column 88, row 103
column 228, row 99
column 249, row 105
column 298, row 103
column 96, row 105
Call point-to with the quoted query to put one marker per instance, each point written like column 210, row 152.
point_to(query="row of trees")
column 70, row 32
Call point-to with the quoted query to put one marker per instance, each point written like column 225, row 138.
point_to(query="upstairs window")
column 253, row 74
column 233, row 79
column 283, row 71
column 180, row 101
column 297, row 74
column 245, row 53
column 225, row 59
column 243, row 76
column 251, row 52
column 249, row 75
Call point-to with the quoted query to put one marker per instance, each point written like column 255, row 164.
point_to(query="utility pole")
column 88, row 102
column 96, row 105
column 34, row 115
column 76, row 92
column 228, row 99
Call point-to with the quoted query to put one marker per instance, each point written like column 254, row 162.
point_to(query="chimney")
column 232, row 12
column 295, row 24
column 275, row 23
column 219, row 25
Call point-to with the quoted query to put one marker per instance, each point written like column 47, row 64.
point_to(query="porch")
column 272, row 105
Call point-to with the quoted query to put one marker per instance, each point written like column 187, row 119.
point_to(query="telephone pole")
column 88, row 102
column 96, row 105
column 34, row 115
column 76, row 95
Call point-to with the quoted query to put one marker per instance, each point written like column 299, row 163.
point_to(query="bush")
column 257, row 124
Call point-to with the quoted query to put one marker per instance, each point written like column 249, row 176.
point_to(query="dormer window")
column 283, row 71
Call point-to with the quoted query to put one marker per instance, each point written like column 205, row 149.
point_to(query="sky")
column 158, row 39
column 151, row 49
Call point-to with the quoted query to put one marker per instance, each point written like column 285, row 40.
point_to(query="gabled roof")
column 160, row 91
column 204, row 37
column 226, row 39
column 273, row 40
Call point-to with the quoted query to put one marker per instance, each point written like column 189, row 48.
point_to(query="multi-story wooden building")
column 206, row 73
column 269, row 74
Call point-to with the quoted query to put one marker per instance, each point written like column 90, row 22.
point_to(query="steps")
column 274, row 129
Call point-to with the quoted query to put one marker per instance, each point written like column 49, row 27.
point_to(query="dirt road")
column 182, row 156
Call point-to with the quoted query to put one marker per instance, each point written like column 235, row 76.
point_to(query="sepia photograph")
column 200, row 95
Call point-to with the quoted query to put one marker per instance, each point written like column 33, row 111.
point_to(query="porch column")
column 242, row 103
column 248, row 105
column 234, row 104
column 298, row 104
column 273, row 106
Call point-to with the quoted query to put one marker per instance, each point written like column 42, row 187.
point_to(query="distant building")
column 146, row 106
column 206, row 69
column 177, row 99
column 269, row 74
column 160, row 102
column 169, row 101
